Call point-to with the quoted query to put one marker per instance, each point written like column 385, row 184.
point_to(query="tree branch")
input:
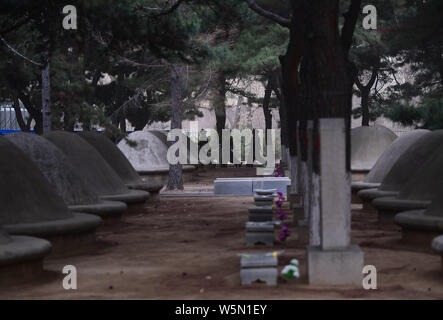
column 268, row 14
column 19, row 54
column 347, row 32
column 373, row 76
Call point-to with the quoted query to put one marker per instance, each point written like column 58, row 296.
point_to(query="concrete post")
column 335, row 261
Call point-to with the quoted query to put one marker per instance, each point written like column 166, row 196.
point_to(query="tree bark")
column 317, row 73
column 220, row 107
column 365, row 107
column 175, row 181
column 220, row 102
column 365, row 91
column 25, row 127
column 46, row 94
column 266, row 102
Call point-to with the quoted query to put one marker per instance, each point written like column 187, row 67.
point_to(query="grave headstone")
column 94, row 170
column 405, row 167
column 61, row 174
column 117, row 160
column 367, row 145
column 260, row 233
column 30, row 206
column 260, row 213
column 259, row 267
column 387, row 160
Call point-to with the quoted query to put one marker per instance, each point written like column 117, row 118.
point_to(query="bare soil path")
column 186, row 248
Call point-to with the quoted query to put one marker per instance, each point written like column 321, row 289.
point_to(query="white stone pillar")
column 335, row 261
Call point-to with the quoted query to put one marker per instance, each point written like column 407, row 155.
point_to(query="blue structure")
column 8, row 118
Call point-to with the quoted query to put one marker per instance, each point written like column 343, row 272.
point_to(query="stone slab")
column 260, row 209
column 258, row 260
column 265, row 192
column 257, row 238
column 335, row 267
column 240, row 187
column 247, row 186
column 267, row 226
column 267, row 275
column 263, row 198
column 260, row 217
column 263, row 203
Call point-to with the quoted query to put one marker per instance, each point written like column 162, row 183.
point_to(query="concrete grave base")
column 150, row 186
column 132, row 197
column 260, row 233
column 260, row 213
column 21, row 259
column 259, row 198
column 247, row 186
column 418, row 228
column 358, row 186
column 391, row 205
column 103, row 209
column 335, row 267
column 259, row 217
column 268, row 275
column 259, row 267
column 65, row 235
column 437, row 245
column 263, row 203
column 265, row 192
column 371, row 194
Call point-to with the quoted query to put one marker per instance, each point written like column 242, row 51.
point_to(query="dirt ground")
column 186, row 248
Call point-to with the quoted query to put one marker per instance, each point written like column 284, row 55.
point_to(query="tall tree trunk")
column 25, row 127
column 365, row 91
column 220, row 107
column 283, row 123
column 123, row 124
column 35, row 112
column 46, row 94
column 365, row 107
column 266, row 102
column 220, row 102
column 175, row 171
